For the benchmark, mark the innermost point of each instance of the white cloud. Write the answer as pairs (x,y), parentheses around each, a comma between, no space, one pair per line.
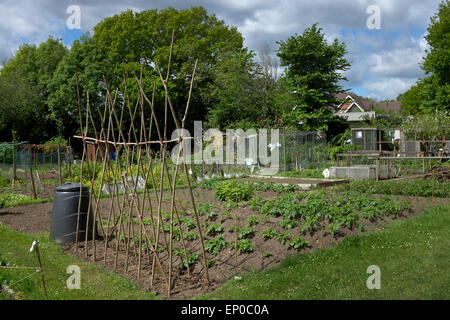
(388,88)
(389,55)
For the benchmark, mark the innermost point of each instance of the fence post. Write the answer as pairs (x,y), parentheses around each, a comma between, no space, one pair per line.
(14,163)
(69,162)
(33,187)
(59,167)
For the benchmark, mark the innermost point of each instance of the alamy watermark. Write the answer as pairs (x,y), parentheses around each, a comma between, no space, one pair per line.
(374,281)
(234,146)
(374,20)
(74,280)
(74,20)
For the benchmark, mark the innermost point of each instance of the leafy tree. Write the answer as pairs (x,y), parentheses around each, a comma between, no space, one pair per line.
(433,93)
(233,100)
(17,112)
(136,39)
(33,67)
(85,63)
(313,71)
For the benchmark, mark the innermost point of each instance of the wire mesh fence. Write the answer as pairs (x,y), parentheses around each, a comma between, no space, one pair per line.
(33,170)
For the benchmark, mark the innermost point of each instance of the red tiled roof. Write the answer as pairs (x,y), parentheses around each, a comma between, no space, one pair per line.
(369,105)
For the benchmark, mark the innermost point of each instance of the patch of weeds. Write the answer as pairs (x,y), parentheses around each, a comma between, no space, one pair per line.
(267,254)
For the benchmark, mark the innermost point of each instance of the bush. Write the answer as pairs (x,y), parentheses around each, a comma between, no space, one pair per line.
(234,191)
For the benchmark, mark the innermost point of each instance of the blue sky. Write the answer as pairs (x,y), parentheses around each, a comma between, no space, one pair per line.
(385,61)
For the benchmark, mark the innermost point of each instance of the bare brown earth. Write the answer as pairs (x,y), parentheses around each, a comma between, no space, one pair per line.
(36,218)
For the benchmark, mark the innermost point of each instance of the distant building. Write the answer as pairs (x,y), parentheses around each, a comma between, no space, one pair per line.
(357,109)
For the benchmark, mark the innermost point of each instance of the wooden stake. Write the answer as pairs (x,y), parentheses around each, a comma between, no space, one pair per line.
(41,269)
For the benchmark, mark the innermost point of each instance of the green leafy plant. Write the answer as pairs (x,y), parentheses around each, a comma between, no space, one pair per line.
(216,245)
(192,260)
(269,234)
(214,228)
(233,191)
(244,245)
(190,236)
(298,242)
(245,232)
(252,220)
(284,237)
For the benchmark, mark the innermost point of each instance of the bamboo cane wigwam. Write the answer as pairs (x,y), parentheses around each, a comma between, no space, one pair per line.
(138,225)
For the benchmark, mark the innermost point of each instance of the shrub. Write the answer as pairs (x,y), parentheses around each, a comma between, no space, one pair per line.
(234,191)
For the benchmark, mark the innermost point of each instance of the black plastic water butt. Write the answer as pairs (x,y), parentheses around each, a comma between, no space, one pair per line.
(65,214)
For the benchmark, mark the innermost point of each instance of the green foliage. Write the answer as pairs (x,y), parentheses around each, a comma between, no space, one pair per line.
(313,72)
(192,261)
(256,203)
(431,126)
(214,228)
(191,236)
(341,209)
(189,224)
(14,199)
(432,93)
(208,184)
(284,237)
(252,220)
(27,75)
(269,233)
(216,245)
(234,191)
(245,232)
(419,188)
(57,140)
(244,246)
(298,243)
(420,238)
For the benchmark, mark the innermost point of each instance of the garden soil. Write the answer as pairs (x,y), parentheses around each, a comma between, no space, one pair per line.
(36,218)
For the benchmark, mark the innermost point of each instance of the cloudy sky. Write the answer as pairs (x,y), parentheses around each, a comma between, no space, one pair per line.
(385,59)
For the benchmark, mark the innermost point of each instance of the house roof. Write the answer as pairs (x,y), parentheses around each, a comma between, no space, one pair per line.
(367,105)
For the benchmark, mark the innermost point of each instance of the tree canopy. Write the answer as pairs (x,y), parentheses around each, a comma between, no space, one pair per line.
(25,80)
(433,92)
(313,72)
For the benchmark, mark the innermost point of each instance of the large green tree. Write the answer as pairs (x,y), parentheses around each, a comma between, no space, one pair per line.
(130,42)
(433,92)
(313,72)
(86,64)
(31,68)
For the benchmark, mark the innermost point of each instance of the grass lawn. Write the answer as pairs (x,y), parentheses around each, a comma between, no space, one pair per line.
(413,256)
(96,283)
